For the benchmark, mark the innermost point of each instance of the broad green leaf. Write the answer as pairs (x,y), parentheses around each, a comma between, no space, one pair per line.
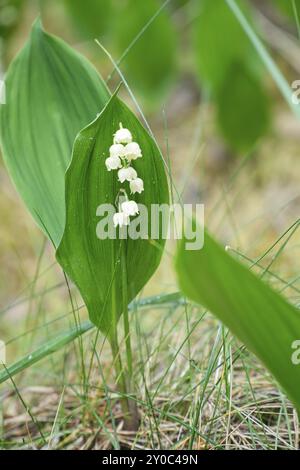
(94,264)
(52,92)
(261,318)
(219,41)
(150,62)
(90,17)
(242,108)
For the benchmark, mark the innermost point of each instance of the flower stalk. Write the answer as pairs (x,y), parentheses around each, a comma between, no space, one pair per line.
(122,153)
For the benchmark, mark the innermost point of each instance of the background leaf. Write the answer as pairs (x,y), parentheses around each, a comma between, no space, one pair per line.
(242,108)
(52,92)
(150,63)
(9,16)
(228,66)
(93,264)
(219,42)
(287,7)
(263,320)
(91,18)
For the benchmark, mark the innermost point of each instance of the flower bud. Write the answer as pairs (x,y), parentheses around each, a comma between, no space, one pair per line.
(120,219)
(122,136)
(113,163)
(127,174)
(137,186)
(117,150)
(133,151)
(130,208)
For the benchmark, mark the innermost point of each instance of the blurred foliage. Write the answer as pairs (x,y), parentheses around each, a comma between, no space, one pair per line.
(287,6)
(219,41)
(90,17)
(229,67)
(10,16)
(144,38)
(150,62)
(242,108)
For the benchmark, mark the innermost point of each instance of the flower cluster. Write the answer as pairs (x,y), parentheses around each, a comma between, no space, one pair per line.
(122,153)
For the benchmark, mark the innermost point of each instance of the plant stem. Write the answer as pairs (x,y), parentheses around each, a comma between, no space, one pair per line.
(132,404)
(120,379)
(114,343)
(131,419)
(125,310)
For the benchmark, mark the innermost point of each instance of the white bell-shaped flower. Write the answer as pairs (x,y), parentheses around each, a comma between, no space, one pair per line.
(127,174)
(113,163)
(117,150)
(122,136)
(120,219)
(133,151)
(136,186)
(130,208)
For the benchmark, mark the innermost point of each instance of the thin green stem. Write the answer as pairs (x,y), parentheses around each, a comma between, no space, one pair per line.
(125,310)
(120,379)
(114,342)
(133,422)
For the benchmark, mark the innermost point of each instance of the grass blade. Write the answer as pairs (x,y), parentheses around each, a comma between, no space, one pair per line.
(266,58)
(67,337)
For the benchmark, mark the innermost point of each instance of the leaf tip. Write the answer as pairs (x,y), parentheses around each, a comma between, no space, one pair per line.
(37,26)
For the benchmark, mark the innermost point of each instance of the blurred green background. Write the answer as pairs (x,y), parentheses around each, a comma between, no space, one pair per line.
(231,140)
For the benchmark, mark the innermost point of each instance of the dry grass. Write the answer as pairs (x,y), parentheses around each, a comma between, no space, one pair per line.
(213,400)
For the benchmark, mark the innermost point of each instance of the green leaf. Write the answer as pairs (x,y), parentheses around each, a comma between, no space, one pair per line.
(90,17)
(261,318)
(94,265)
(52,92)
(150,62)
(219,41)
(242,108)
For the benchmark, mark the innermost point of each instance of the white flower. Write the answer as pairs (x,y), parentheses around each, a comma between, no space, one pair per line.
(122,136)
(133,151)
(120,219)
(127,174)
(137,186)
(117,150)
(130,208)
(113,163)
